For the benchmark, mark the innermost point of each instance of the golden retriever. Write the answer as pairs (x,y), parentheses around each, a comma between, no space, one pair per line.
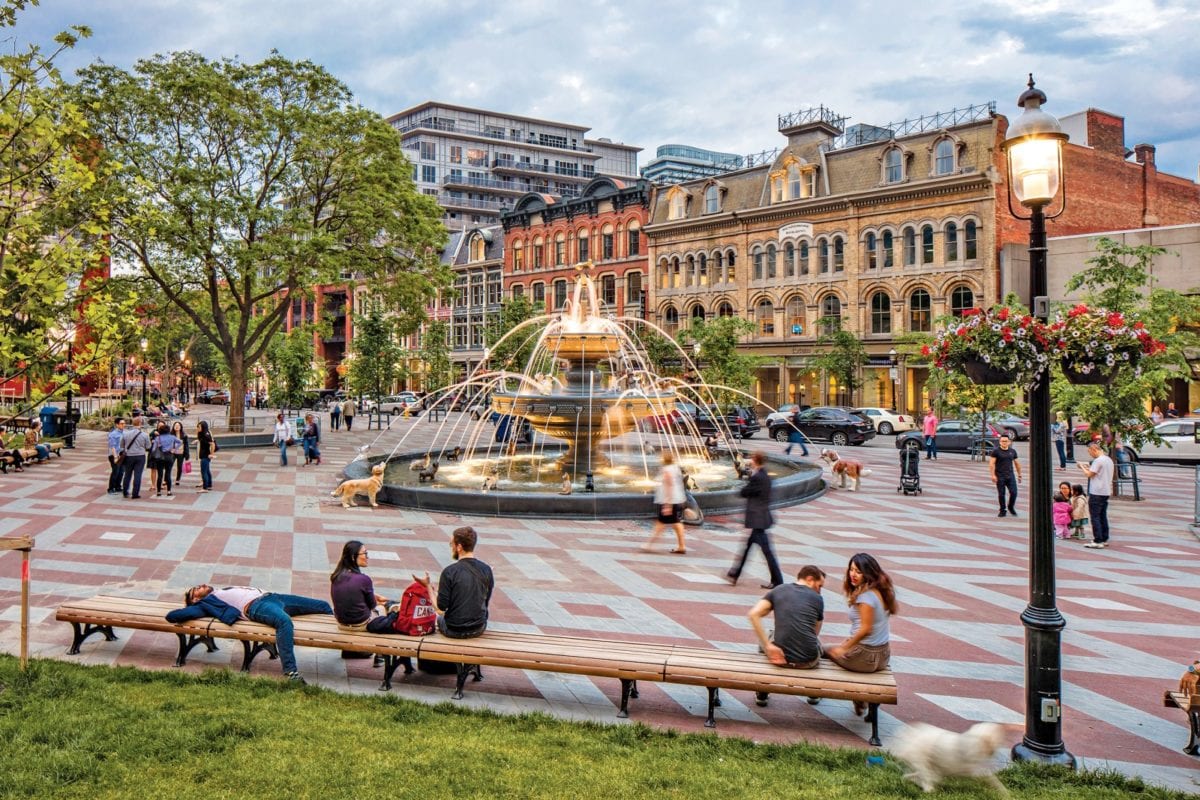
(368,486)
(936,754)
(1189,684)
(843,467)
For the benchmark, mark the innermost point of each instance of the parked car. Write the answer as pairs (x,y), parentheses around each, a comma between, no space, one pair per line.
(1179,443)
(839,426)
(674,420)
(741,421)
(207,395)
(887,421)
(399,403)
(954,436)
(784,413)
(1010,424)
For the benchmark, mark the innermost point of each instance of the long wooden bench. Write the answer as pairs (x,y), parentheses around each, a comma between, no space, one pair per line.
(1190,705)
(628,662)
(30,454)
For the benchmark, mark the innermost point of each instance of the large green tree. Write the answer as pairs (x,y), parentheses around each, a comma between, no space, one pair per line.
(290,367)
(728,372)
(843,355)
(245,185)
(435,356)
(514,352)
(376,364)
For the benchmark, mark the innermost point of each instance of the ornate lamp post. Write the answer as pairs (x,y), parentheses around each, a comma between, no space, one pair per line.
(1034,149)
(893,360)
(69,423)
(144,368)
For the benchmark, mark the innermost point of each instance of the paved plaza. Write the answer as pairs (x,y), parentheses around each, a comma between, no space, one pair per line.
(961,576)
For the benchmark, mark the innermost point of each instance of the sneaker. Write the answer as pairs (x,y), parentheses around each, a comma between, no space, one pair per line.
(1002,514)
(1096,545)
(1012,511)
(296,678)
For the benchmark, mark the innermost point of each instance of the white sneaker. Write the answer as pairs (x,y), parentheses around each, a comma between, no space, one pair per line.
(1096,545)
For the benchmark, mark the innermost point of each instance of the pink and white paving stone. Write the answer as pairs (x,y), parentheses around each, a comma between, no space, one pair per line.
(961,574)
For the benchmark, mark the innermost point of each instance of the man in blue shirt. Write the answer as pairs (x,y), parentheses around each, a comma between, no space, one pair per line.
(114,455)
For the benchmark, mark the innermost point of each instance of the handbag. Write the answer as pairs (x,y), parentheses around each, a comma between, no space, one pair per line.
(187,468)
(290,441)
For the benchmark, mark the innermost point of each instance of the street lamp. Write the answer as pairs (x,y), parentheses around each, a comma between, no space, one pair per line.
(145,367)
(68,424)
(1034,149)
(894,359)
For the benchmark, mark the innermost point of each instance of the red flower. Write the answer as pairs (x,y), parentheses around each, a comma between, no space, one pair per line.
(1077,311)
(1003,315)
(1115,320)
(970,312)
(924,349)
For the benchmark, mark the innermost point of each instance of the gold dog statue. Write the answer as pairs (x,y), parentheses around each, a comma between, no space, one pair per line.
(368,486)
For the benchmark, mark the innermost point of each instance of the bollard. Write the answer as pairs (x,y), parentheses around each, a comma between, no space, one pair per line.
(1196,506)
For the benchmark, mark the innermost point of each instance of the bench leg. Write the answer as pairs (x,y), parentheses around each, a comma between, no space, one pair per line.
(187,641)
(873,718)
(389,669)
(714,702)
(463,671)
(1193,745)
(251,649)
(628,689)
(83,633)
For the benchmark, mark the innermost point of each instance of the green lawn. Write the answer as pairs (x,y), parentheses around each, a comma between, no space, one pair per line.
(99,732)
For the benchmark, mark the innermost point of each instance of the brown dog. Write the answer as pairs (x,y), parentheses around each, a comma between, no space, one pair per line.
(368,486)
(1189,684)
(843,468)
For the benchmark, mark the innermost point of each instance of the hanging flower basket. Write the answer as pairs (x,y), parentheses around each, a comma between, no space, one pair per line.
(1094,344)
(1087,374)
(998,346)
(984,374)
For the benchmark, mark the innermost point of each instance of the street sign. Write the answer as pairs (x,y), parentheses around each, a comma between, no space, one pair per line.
(797,330)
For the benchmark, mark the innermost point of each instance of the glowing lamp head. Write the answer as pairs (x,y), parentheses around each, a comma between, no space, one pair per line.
(1034,149)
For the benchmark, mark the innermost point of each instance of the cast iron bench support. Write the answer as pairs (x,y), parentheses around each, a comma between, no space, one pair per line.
(189,640)
(85,630)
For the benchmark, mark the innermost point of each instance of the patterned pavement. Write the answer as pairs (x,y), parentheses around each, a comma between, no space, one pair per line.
(961,573)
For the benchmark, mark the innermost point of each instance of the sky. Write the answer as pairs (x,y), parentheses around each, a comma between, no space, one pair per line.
(698,72)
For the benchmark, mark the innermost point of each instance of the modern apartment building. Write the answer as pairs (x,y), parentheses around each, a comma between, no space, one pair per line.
(676,163)
(477,162)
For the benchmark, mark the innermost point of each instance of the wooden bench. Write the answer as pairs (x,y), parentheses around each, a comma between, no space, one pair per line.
(30,455)
(1190,705)
(628,662)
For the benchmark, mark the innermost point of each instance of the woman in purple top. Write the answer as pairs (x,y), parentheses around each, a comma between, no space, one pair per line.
(355,604)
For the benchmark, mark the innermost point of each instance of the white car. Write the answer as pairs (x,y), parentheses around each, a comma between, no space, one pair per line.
(781,415)
(397,403)
(888,422)
(1179,442)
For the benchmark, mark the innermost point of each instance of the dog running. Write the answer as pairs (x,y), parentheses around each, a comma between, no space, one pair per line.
(843,468)
(368,486)
(936,754)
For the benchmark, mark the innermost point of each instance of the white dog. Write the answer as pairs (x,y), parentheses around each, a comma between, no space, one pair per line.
(936,754)
(843,468)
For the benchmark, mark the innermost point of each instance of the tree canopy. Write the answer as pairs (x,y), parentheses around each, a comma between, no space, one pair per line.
(728,372)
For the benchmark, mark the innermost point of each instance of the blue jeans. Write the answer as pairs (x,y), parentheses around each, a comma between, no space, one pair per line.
(931,447)
(277,611)
(282,452)
(1007,483)
(206,473)
(133,475)
(310,448)
(793,440)
(1098,509)
(1061,446)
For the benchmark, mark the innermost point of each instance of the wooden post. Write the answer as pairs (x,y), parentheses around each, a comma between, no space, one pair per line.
(25,545)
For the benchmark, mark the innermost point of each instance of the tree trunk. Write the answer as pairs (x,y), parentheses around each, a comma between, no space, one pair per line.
(237,394)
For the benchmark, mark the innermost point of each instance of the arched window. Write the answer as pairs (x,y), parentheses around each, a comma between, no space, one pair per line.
(664,274)
(777,189)
(969,240)
(831,313)
(795,316)
(711,200)
(670,319)
(881,313)
(943,157)
(518,260)
(823,255)
(961,299)
(634,239)
(719,267)
(584,246)
(697,312)
(608,245)
(560,250)
(633,288)
(893,166)
(839,254)
(793,176)
(538,253)
(951,241)
(731,270)
(764,313)
(678,207)
(560,294)
(689,273)
(789,260)
(478,246)
(804,258)
(518,290)
(702,270)
(724,310)
(870,247)
(927,244)
(676,278)
(910,247)
(771,256)
(758,265)
(889,256)
(920,319)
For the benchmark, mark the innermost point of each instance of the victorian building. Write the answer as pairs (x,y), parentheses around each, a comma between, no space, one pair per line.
(545,237)
(881,229)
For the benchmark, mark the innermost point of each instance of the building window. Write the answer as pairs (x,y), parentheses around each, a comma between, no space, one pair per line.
(969,240)
(871,255)
(476,157)
(460,286)
(771,257)
(793,176)
(823,255)
(689,271)
(795,316)
(676,277)
(961,299)
(560,250)
(702,270)
(518,260)
(635,242)
(831,313)
(951,242)
(633,287)
(789,260)
(927,244)
(893,166)
(428,174)
(777,190)
(455,154)
(697,313)
(429,151)
(478,248)
(920,318)
(881,313)
(539,294)
(889,257)
(943,157)
(724,310)
(493,288)
(606,245)
(584,247)
(670,319)
(910,247)
(758,265)
(608,290)
(765,315)
(518,290)
(711,200)
(731,266)
(678,206)
(804,258)
(538,253)
(560,295)
(839,254)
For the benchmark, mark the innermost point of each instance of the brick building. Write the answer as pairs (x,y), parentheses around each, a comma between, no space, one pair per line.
(545,237)
(883,227)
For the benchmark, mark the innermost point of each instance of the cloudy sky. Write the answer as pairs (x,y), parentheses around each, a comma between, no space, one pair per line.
(708,73)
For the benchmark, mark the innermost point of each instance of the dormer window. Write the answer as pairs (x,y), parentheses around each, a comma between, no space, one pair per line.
(478,247)
(793,176)
(712,199)
(943,157)
(893,166)
(678,205)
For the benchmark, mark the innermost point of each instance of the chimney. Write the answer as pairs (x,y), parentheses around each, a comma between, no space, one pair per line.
(1144,153)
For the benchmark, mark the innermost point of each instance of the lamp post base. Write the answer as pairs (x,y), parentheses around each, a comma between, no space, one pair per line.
(1029,751)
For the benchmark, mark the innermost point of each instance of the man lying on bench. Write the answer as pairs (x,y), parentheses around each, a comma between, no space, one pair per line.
(233,603)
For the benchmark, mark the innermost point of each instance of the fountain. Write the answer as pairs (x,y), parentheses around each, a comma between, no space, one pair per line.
(586,390)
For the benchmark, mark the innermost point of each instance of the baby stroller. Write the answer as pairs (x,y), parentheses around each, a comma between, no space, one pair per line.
(910,472)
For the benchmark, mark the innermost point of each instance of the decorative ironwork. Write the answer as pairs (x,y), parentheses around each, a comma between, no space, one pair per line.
(864,134)
(762,157)
(807,116)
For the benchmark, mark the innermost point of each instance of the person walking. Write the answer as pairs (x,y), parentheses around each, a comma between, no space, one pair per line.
(115,466)
(757,492)
(929,428)
(670,498)
(1058,435)
(1099,488)
(795,436)
(349,409)
(284,437)
(1006,474)
(310,438)
(134,443)
(872,601)
(335,416)
(206,447)
(181,458)
(167,447)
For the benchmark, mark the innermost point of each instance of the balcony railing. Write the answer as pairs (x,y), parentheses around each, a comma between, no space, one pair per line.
(932,122)
(470,128)
(446,201)
(485,183)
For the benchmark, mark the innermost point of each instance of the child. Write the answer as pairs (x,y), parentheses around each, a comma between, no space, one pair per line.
(1079,511)
(1062,516)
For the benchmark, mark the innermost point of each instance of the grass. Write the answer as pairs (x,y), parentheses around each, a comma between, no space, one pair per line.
(101,732)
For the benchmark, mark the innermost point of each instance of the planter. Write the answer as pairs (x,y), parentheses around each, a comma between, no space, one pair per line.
(984,374)
(1097,377)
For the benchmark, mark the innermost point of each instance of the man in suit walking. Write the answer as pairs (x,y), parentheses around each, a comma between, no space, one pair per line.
(757,492)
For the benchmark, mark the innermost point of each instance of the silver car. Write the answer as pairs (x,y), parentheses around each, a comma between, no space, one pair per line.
(1179,443)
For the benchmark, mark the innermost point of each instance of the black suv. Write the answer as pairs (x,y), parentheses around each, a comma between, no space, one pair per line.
(827,424)
(740,421)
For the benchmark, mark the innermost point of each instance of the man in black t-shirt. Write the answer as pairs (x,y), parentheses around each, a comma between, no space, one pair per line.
(465,590)
(1006,474)
(799,613)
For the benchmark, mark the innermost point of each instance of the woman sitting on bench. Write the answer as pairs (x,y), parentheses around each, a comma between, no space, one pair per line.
(33,438)
(12,452)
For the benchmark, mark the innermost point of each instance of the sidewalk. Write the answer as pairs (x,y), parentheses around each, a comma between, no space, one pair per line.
(961,576)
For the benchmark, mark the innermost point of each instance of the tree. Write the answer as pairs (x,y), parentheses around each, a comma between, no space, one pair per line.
(729,373)
(514,352)
(376,363)
(435,355)
(238,187)
(290,367)
(1119,278)
(844,356)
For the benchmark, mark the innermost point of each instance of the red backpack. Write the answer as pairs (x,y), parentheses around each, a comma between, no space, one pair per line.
(416,616)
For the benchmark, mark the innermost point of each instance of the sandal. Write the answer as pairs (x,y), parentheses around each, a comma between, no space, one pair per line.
(677,551)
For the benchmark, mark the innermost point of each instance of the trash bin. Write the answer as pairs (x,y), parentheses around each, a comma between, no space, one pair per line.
(49,421)
(66,425)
